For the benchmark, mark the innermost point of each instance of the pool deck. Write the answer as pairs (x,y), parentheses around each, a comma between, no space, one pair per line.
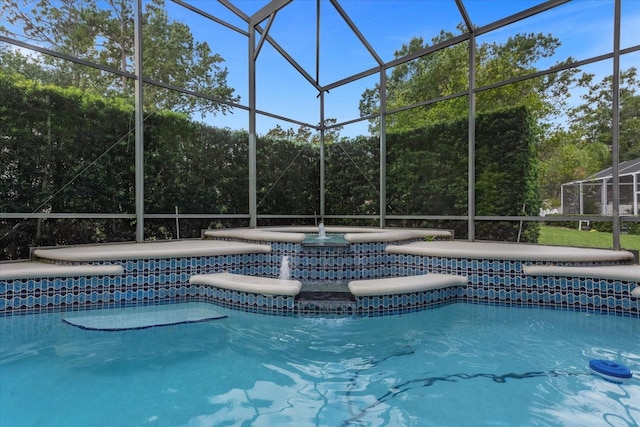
(148,250)
(40,270)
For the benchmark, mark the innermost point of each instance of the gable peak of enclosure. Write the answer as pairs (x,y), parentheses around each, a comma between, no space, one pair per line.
(355,26)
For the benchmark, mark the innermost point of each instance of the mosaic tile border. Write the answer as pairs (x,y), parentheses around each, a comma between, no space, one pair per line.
(384,305)
(162,280)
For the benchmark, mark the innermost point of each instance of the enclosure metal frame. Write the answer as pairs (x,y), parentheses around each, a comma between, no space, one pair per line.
(257,36)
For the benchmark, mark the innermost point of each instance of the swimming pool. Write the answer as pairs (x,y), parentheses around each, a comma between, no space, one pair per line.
(461,364)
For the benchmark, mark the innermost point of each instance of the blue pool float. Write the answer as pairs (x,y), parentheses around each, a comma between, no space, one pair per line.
(609,370)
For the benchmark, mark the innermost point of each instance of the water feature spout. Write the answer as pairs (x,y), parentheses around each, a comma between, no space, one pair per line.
(285,270)
(322,234)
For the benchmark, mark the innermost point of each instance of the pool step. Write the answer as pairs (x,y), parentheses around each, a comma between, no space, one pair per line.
(325,296)
(322,291)
(406,284)
(325,307)
(250,284)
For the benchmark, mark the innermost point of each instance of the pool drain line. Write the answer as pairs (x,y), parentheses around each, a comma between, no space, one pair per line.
(429,381)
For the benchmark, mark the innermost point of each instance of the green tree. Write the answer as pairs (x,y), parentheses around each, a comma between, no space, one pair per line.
(445,72)
(171,55)
(305,133)
(593,119)
(65,26)
(52,162)
(102,32)
(564,157)
(15,62)
(583,147)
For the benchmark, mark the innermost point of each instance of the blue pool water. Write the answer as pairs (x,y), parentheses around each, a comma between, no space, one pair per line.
(458,365)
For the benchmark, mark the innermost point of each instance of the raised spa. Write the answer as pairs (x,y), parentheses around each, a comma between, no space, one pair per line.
(352,271)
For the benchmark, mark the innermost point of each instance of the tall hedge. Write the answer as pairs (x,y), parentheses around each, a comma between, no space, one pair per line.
(427,173)
(64,150)
(507,174)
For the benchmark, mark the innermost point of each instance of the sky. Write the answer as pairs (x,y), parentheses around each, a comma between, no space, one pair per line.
(584,28)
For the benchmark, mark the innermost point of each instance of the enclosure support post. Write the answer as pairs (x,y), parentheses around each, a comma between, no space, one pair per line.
(383,148)
(635,193)
(603,197)
(615,128)
(322,124)
(253,205)
(471,189)
(139,124)
(322,158)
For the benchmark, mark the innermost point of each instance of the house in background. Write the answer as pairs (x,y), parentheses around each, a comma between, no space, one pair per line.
(594,195)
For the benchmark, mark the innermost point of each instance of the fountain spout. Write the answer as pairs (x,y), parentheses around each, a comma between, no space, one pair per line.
(322,234)
(285,270)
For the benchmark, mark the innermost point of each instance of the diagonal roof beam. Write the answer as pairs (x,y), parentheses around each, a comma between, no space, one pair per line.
(210,16)
(285,55)
(288,57)
(465,15)
(356,31)
(234,9)
(268,10)
(550,4)
(272,17)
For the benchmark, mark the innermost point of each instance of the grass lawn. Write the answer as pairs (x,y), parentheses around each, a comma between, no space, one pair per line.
(588,239)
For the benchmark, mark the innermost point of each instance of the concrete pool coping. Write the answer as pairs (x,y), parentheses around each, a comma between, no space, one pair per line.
(41,270)
(69,261)
(510,251)
(295,234)
(217,242)
(149,250)
(456,249)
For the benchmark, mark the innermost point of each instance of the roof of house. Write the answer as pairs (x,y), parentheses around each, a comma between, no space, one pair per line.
(626,168)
